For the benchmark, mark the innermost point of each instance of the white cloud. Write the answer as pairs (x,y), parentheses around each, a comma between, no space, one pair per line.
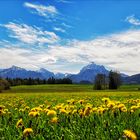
(50,14)
(66,25)
(59,29)
(65,1)
(118,51)
(133,20)
(30,35)
(42,10)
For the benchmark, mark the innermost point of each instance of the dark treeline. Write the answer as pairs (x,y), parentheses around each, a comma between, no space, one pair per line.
(30,81)
(4,84)
(112,81)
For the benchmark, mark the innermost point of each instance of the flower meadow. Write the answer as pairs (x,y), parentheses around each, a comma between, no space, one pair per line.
(70,117)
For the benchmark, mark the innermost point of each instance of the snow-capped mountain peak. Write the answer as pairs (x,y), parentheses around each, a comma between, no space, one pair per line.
(16,68)
(93,66)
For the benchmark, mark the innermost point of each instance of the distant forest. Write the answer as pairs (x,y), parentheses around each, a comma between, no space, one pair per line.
(6,83)
(31,81)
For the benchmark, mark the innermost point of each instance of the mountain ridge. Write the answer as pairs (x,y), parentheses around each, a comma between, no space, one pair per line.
(86,74)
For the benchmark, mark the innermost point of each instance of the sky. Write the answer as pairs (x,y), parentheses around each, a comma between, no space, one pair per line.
(65,35)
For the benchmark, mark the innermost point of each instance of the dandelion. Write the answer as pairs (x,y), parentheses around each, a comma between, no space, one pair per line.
(36,109)
(21,110)
(51,113)
(27,108)
(106,100)
(2,107)
(74,111)
(94,109)
(46,110)
(110,104)
(121,106)
(2,112)
(101,110)
(19,123)
(27,132)
(41,106)
(59,106)
(54,120)
(134,108)
(71,101)
(130,134)
(81,113)
(81,101)
(87,111)
(63,111)
(34,114)
(6,110)
(124,109)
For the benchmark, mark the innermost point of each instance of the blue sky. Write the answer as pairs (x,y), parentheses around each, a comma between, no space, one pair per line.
(65,35)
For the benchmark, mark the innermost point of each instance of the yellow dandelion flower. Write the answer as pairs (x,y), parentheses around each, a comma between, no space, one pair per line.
(41,106)
(81,113)
(110,104)
(21,110)
(19,123)
(106,100)
(130,134)
(51,113)
(121,106)
(34,114)
(54,120)
(59,106)
(88,105)
(27,132)
(2,112)
(74,111)
(101,110)
(36,109)
(27,108)
(81,101)
(2,107)
(71,101)
(123,109)
(6,110)
(94,109)
(134,107)
(63,111)
(86,111)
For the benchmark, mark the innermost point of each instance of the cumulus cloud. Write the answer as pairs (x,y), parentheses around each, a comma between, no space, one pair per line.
(133,20)
(42,10)
(119,51)
(29,34)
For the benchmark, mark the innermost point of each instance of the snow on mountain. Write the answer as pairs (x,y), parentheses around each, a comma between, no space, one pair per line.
(17,72)
(88,73)
(59,75)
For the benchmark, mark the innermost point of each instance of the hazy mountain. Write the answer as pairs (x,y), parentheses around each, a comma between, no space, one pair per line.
(60,75)
(88,73)
(46,74)
(17,72)
(134,79)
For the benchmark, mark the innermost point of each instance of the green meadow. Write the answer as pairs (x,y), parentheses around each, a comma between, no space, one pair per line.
(70,112)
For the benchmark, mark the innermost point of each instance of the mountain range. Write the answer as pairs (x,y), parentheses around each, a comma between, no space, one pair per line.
(86,75)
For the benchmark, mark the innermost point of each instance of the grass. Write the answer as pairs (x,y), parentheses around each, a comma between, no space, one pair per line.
(67,89)
(79,113)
